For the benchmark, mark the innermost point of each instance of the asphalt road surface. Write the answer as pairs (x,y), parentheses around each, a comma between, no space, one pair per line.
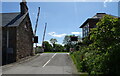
(46,63)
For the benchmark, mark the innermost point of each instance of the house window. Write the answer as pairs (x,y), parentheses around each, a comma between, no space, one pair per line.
(86,30)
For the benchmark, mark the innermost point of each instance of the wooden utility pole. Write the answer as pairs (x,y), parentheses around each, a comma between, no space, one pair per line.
(44,35)
(37,21)
(36,37)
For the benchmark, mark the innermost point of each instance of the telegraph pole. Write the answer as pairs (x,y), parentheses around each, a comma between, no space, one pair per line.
(44,35)
(36,37)
(37,23)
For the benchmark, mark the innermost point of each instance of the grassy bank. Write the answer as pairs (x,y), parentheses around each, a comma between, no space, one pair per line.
(76,57)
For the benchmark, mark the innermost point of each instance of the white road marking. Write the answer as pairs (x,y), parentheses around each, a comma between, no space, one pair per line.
(68,53)
(46,63)
(54,55)
(49,60)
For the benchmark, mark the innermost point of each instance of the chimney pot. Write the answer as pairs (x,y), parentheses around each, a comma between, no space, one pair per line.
(23,7)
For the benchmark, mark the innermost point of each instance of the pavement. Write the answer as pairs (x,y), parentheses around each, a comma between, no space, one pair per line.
(45,63)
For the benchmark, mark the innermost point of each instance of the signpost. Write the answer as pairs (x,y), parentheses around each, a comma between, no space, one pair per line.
(73,39)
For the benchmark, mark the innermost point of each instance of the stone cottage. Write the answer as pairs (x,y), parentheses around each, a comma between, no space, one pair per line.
(17,35)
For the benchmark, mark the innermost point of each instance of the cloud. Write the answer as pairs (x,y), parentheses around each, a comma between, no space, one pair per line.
(56,35)
(105,5)
(76,33)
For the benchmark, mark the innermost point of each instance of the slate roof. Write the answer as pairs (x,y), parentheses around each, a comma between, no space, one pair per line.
(12,19)
(96,18)
(100,15)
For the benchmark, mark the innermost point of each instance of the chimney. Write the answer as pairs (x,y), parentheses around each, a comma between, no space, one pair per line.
(23,7)
(101,13)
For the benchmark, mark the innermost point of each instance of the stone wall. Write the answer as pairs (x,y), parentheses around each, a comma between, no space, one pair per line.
(24,39)
(12,45)
(4,45)
(20,42)
(8,56)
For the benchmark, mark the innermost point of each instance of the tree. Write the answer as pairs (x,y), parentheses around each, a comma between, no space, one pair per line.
(47,46)
(59,48)
(106,43)
(66,40)
(103,54)
(68,43)
(53,41)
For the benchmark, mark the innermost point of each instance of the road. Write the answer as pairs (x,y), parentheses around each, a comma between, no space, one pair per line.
(46,63)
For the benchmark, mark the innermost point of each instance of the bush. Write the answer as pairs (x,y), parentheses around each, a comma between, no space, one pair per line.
(101,55)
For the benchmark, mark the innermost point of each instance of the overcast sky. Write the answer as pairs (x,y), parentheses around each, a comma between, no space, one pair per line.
(63,18)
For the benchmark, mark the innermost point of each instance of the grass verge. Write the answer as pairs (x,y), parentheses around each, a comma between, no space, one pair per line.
(75,62)
(76,59)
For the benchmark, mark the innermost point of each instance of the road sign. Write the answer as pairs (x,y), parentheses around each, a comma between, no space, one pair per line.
(74,38)
(35,39)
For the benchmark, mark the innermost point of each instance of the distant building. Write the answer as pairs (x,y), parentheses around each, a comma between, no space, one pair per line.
(17,35)
(91,23)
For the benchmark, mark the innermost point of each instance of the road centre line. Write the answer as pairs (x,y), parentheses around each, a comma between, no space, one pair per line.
(54,55)
(49,60)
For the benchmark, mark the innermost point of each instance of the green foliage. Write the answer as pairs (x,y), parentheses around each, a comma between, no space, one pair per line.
(102,55)
(67,47)
(47,46)
(53,41)
(106,38)
(70,44)
(59,48)
(67,40)
(87,41)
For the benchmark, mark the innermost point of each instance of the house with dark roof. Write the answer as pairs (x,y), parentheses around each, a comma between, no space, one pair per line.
(91,23)
(17,35)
